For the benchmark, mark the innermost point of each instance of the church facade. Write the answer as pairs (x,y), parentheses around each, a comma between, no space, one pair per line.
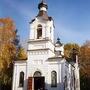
(46,67)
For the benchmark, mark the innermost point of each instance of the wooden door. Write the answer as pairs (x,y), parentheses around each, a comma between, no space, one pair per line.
(30,83)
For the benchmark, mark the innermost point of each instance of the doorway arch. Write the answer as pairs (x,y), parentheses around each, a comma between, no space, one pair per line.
(37,74)
(39,81)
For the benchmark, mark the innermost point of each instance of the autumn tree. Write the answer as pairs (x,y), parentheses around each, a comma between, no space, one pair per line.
(84,61)
(85,65)
(85,58)
(68,49)
(22,55)
(9,49)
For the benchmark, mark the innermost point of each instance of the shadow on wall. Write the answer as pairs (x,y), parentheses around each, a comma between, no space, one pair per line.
(59,86)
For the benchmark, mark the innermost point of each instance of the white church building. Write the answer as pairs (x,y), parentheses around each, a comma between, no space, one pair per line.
(46,67)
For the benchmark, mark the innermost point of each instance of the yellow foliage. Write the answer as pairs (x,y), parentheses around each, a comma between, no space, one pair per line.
(68,48)
(22,54)
(7,48)
(85,58)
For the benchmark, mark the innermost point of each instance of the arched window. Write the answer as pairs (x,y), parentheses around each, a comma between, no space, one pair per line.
(53,79)
(39,31)
(21,79)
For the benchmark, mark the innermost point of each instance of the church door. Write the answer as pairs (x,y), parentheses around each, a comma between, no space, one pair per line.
(39,83)
(30,83)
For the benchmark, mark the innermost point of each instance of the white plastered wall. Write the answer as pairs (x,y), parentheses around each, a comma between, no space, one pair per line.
(57,66)
(19,67)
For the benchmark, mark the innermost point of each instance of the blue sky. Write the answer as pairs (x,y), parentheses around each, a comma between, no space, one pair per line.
(71,17)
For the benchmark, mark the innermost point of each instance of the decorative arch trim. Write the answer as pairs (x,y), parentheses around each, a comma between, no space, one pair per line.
(37,74)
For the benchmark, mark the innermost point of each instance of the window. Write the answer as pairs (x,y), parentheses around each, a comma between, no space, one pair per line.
(39,31)
(65,83)
(53,79)
(21,79)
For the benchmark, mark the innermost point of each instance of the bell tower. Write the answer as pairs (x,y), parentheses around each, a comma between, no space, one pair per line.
(41,30)
(42,27)
(41,41)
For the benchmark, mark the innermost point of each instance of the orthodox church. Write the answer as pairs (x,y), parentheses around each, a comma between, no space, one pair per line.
(46,67)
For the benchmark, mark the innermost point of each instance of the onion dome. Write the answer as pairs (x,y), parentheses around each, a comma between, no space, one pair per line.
(42,4)
(58,43)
